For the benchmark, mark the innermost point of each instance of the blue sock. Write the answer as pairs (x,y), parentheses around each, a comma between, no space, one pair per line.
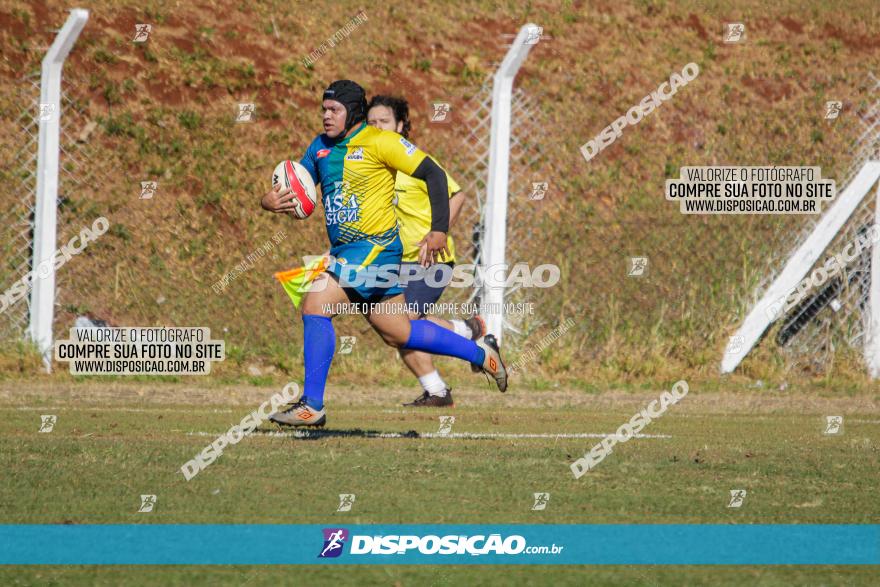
(430,338)
(319,344)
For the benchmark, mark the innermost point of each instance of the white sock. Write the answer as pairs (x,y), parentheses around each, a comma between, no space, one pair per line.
(461,328)
(433,384)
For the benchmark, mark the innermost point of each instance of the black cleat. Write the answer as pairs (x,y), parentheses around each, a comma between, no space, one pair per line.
(426,400)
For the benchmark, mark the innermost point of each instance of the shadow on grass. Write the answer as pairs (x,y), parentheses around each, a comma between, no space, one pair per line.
(318,433)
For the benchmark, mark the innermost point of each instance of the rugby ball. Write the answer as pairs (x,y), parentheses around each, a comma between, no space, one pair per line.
(291,174)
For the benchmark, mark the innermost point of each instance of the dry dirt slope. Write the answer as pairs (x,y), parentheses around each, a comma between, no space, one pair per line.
(165,111)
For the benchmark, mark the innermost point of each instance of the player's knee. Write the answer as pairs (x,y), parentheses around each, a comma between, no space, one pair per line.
(313,305)
(392,339)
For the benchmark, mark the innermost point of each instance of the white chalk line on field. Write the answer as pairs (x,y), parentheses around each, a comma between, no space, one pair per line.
(312,433)
(84,409)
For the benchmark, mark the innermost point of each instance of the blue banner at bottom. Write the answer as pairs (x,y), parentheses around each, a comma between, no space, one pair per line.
(604,544)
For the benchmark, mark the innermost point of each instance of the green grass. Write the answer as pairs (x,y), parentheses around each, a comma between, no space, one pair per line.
(114,441)
(451,576)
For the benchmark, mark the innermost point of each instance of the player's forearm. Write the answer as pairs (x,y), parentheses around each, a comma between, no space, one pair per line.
(455,204)
(438,193)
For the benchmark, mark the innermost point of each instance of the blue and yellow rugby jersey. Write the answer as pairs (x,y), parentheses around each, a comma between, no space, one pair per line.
(414,214)
(357,182)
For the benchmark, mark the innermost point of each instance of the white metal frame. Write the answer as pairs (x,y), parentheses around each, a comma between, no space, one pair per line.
(495,215)
(42,309)
(757,321)
(872,340)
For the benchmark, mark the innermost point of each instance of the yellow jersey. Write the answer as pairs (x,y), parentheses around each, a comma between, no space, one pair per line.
(357,178)
(414,214)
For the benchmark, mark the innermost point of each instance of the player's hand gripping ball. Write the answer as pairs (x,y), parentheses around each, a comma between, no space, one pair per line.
(292,175)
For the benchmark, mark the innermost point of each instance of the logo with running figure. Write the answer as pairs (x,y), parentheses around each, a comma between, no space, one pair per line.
(737,498)
(46,111)
(148,189)
(833,425)
(539,189)
(734,32)
(832,109)
(637,266)
(441,113)
(142,33)
(245,112)
(47,422)
(148,502)
(735,344)
(346,344)
(346,500)
(534,35)
(446,423)
(334,540)
(541,501)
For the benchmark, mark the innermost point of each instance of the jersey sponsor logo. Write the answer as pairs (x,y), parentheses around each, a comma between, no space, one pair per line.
(323,153)
(342,207)
(355,155)
(410,148)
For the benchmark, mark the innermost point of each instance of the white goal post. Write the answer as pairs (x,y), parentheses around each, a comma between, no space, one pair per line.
(872,341)
(42,307)
(495,212)
(803,259)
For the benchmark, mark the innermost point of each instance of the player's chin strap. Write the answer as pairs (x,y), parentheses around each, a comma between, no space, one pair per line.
(356,112)
(351,125)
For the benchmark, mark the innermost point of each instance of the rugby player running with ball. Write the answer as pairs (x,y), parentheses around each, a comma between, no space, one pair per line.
(356,165)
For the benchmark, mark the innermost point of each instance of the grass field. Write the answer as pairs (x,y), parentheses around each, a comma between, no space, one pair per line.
(115,441)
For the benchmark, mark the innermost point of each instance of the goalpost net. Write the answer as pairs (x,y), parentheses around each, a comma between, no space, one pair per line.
(48,192)
(503,161)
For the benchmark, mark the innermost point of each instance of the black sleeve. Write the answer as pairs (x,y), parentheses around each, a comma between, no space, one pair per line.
(438,193)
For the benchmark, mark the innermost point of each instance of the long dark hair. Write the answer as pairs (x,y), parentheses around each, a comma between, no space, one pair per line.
(398,106)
